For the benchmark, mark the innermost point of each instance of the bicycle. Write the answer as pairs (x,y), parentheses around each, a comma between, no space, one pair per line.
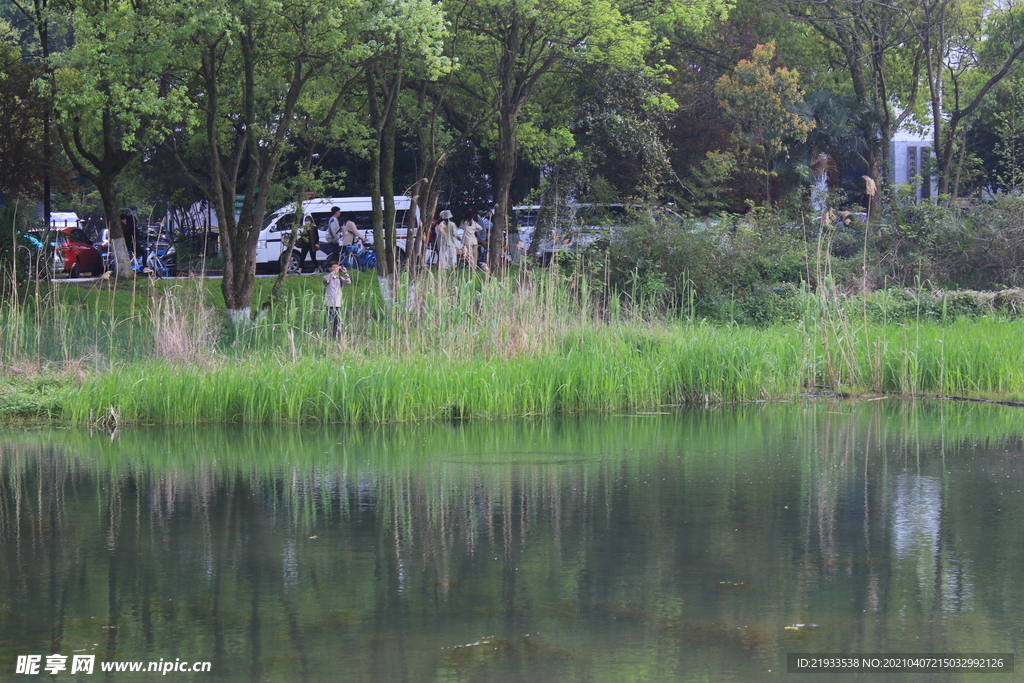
(361,257)
(348,257)
(151,264)
(367,257)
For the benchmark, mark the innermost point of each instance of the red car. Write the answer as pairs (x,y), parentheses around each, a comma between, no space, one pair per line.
(75,249)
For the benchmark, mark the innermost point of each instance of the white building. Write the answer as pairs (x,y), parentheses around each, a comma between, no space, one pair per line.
(908,154)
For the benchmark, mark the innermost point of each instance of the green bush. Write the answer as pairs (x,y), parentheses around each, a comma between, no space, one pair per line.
(703,266)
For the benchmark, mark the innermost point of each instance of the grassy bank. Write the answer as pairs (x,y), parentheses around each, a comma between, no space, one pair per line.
(459,347)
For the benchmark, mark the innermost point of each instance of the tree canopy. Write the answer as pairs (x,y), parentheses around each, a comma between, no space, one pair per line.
(477,104)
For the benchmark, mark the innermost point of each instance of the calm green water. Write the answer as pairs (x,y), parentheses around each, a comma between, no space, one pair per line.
(673,547)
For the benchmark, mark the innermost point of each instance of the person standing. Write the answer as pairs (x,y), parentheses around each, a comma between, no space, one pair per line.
(514,245)
(129,228)
(349,233)
(485,222)
(470,228)
(332,241)
(447,256)
(485,234)
(308,242)
(336,278)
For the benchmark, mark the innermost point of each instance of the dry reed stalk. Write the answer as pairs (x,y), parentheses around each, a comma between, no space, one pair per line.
(25,368)
(76,370)
(185,329)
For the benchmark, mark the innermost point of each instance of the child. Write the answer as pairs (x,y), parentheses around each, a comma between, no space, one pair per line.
(336,278)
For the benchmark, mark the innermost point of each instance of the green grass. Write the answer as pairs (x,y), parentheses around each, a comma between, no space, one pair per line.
(606,370)
(35,395)
(460,346)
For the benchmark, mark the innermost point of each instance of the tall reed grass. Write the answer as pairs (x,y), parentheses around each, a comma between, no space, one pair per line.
(591,370)
(457,345)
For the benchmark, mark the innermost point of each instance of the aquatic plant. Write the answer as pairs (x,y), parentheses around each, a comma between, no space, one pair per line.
(460,345)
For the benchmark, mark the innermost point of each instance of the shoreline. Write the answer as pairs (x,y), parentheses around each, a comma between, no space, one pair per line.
(470,348)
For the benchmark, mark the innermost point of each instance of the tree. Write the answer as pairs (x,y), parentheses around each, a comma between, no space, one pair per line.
(1009,126)
(882,58)
(112,94)
(507,48)
(424,119)
(22,111)
(952,33)
(837,142)
(763,103)
(246,69)
(412,42)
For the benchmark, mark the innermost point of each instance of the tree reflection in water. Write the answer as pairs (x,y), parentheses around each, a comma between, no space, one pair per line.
(698,545)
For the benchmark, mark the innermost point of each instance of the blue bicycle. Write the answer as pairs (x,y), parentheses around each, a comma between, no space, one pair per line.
(361,257)
(159,257)
(151,264)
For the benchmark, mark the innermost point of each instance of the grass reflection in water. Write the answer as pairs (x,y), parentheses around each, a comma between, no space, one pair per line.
(692,546)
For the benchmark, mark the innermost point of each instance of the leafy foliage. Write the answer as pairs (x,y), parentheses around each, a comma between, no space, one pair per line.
(21,130)
(763,102)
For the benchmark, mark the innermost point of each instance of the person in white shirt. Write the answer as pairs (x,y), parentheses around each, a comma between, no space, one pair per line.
(350,234)
(332,243)
(447,256)
(470,244)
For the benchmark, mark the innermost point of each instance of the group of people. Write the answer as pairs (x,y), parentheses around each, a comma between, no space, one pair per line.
(444,234)
(340,233)
(476,230)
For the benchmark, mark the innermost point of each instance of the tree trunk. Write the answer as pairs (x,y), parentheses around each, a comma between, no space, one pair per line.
(102,172)
(383,120)
(425,189)
(238,247)
(118,247)
(504,169)
(379,237)
(415,229)
(877,161)
(259,158)
(286,258)
(388,185)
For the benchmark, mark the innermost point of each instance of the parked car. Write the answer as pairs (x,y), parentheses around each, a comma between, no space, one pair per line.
(575,228)
(75,254)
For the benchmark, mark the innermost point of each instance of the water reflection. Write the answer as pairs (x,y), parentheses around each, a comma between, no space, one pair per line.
(696,546)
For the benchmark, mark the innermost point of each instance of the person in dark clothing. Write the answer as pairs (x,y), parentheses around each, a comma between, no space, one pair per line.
(131,234)
(308,242)
(332,243)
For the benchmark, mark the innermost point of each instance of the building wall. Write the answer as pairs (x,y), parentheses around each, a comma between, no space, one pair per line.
(907,155)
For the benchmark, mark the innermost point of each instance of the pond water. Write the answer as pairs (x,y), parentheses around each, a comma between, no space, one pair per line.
(691,546)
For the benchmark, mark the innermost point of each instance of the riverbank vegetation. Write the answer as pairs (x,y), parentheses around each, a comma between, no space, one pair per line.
(779,220)
(463,345)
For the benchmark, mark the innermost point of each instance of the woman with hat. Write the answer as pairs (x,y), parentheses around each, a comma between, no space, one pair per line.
(447,254)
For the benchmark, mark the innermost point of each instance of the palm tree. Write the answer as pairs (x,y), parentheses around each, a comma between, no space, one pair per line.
(842,121)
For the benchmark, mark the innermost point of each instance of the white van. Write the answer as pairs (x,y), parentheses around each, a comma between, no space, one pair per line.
(575,228)
(359,210)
